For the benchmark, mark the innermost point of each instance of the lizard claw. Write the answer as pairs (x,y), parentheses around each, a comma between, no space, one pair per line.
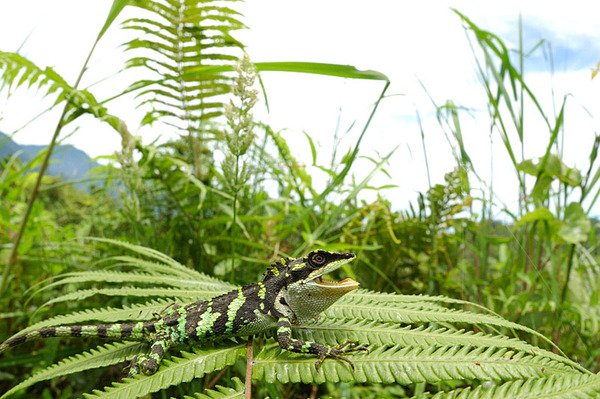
(132,368)
(351,346)
(336,353)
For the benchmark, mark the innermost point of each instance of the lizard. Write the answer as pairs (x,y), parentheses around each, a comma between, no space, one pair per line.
(292,291)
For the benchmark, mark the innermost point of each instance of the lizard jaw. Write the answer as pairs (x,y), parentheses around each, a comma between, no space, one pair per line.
(346,283)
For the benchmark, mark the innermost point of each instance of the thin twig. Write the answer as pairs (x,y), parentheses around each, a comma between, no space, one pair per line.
(216,379)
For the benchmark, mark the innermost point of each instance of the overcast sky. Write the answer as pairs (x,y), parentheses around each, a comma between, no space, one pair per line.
(412,43)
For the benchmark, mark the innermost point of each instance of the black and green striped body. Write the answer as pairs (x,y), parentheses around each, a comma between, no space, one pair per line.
(124,331)
(291,291)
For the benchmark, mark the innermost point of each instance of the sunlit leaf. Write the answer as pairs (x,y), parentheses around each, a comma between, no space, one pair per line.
(576,225)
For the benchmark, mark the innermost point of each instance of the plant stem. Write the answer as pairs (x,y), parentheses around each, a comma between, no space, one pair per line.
(234,216)
(217,378)
(249,361)
(38,181)
(563,294)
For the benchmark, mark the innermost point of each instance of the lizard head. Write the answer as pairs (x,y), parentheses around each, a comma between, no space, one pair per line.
(306,293)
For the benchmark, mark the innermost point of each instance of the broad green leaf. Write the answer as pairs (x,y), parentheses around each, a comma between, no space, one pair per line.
(538,214)
(529,167)
(576,226)
(555,167)
(541,189)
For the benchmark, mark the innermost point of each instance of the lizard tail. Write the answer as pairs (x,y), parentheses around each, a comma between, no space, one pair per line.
(125,331)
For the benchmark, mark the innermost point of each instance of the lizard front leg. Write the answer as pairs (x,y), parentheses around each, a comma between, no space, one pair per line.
(285,340)
(148,363)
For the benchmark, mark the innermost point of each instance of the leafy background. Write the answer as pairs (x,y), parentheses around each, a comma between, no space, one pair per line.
(228,194)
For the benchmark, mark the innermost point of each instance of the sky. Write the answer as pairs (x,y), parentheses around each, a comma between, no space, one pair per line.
(421,46)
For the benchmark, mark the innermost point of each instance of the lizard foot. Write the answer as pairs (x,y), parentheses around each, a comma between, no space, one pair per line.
(142,364)
(336,352)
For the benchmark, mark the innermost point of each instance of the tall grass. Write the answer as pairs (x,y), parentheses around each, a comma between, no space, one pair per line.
(533,268)
(535,262)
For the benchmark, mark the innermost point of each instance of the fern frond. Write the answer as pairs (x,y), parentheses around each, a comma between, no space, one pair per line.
(206,292)
(393,301)
(368,309)
(101,356)
(152,254)
(128,277)
(18,71)
(172,372)
(176,37)
(385,334)
(407,365)
(222,392)
(556,386)
(385,297)
(150,267)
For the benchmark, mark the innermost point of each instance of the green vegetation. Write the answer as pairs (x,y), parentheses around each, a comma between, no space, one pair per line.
(455,304)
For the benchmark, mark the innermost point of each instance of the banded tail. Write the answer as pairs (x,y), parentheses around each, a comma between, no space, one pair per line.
(128,331)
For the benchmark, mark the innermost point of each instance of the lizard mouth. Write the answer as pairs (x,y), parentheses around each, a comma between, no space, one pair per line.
(346,283)
(339,259)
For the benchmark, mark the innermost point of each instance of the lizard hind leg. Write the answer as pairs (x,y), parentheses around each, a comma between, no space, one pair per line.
(148,363)
(285,340)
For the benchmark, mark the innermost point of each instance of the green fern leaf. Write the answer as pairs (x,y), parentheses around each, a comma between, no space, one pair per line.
(175,37)
(18,71)
(102,356)
(384,297)
(173,372)
(186,295)
(407,365)
(408,312)
(128,277)
(331,331)
(222,392)
(153,254)
(556,386)
(155,268)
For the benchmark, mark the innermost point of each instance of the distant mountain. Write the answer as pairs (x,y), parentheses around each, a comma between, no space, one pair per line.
(66,162)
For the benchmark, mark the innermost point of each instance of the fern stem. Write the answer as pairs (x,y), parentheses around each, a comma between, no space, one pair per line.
(249,363)
(38,181)
(234,216)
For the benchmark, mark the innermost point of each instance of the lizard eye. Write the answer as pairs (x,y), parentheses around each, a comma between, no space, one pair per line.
(317,260)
